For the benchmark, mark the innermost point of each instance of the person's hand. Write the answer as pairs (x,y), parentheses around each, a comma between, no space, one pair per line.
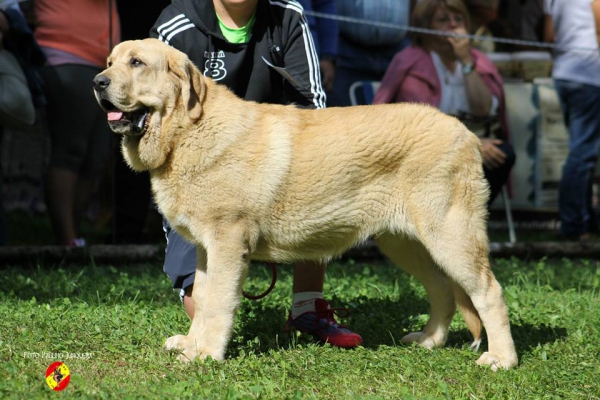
(4,27)
(493,157)
(327,74)
(461,46)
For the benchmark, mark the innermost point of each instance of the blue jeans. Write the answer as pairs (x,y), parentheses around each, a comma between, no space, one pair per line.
(581,110)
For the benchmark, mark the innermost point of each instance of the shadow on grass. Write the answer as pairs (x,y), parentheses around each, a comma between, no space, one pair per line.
(527,336)
(380,323)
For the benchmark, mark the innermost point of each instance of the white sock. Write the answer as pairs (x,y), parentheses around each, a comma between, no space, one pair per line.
(304,302)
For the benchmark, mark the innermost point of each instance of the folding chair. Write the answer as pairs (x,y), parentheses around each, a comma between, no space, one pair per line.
(363,92)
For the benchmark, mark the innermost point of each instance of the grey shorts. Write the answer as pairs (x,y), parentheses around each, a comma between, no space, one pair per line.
(180,260)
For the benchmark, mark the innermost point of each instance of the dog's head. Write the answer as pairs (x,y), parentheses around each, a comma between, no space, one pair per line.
(146,85)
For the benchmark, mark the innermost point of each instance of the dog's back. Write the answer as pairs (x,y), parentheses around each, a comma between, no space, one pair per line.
(362,171)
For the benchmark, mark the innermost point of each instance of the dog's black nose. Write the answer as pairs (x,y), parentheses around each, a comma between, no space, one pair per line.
(101,82)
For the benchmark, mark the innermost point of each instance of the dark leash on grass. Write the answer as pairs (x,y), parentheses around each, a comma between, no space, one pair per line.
(271,286)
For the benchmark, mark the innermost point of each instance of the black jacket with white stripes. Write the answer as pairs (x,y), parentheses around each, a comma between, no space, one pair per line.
(278,64)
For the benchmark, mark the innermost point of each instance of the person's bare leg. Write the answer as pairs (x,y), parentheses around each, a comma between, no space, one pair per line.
(308,276)
(307,287)
(83,194)
(188,302)
(60,186)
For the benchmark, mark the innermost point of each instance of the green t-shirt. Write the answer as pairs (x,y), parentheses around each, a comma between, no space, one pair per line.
(237,35)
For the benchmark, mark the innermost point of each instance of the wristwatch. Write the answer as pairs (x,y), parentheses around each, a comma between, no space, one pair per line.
(467,68)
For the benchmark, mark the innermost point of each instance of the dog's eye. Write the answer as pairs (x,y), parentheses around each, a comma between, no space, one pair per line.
(136,62)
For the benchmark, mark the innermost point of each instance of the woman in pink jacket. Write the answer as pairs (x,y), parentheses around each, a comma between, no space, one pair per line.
(445,72)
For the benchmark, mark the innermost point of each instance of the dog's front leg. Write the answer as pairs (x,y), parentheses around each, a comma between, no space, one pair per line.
(216,298)
(183,343)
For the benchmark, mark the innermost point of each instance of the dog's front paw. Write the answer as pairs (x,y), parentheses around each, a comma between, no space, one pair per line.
(188,349)
(184,345)
(422,339)
(177,342)
(495,361)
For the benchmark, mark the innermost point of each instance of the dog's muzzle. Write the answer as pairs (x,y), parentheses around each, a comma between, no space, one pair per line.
(133,123)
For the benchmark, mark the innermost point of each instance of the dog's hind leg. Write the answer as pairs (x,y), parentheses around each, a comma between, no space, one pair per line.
(460,248)
(412,257)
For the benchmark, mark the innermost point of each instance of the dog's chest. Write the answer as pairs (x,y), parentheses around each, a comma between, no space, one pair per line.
(174,199)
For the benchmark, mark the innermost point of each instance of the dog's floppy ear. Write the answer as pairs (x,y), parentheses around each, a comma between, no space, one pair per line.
(192,87)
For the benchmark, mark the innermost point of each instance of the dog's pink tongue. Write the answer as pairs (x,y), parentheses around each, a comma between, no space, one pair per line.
(114,115)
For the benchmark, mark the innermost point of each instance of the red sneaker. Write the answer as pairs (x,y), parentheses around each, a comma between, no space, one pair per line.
(321,323)
(78,242)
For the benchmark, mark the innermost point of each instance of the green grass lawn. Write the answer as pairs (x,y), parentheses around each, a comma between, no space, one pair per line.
(118,316)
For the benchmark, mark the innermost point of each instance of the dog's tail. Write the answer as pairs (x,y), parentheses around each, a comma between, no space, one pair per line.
(469,313)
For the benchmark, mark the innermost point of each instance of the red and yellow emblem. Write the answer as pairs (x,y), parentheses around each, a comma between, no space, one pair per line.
(58,376)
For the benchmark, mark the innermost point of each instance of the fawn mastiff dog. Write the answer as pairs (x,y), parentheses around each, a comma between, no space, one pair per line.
(246,181)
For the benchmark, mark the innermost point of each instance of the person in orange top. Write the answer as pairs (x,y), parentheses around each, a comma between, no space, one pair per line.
(76,37)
